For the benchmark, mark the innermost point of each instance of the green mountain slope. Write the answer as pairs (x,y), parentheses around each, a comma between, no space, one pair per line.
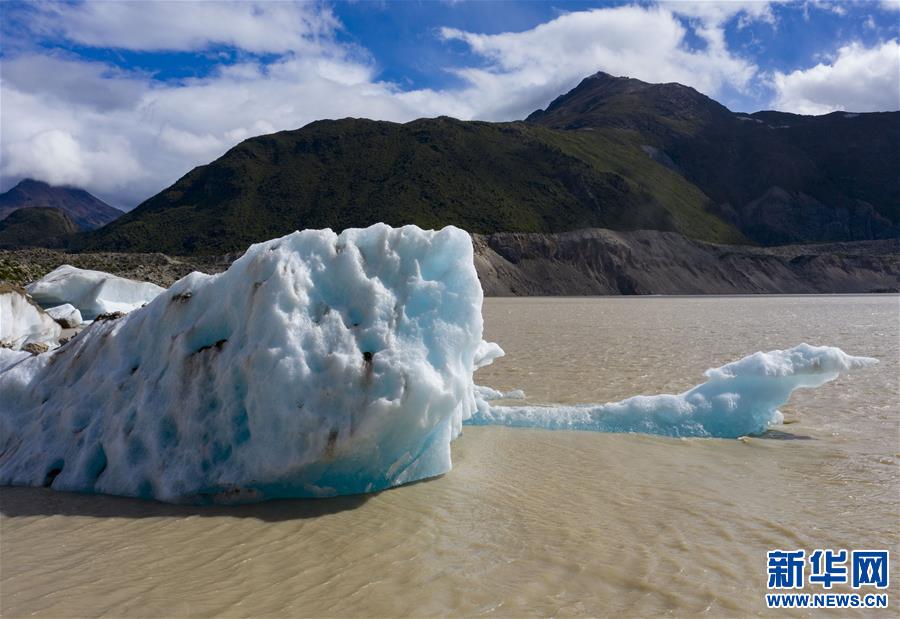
(778,177)
(36,227)
(434,172)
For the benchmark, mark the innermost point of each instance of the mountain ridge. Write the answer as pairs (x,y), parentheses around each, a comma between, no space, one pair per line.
(430,172)
(833,177)
(612,152)
(86,210)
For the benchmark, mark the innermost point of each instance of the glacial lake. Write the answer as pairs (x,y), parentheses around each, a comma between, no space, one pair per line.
(529,522)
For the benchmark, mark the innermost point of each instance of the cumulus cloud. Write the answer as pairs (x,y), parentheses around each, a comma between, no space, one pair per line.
(859,79)
(526,69)
(275,27)
(715,12)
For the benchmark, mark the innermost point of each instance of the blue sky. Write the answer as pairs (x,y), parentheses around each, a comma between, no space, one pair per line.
(124,98)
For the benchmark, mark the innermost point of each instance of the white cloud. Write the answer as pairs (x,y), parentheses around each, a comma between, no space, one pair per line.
(58,158)
(275,27)
(890,5)
(527,69)
(718,13)
(833,6)
(859,79)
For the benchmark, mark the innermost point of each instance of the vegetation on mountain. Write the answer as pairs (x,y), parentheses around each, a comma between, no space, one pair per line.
(432,172)
(778,177)
(36,227)
(614,153)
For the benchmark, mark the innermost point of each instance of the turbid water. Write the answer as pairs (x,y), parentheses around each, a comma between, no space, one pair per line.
(529,522)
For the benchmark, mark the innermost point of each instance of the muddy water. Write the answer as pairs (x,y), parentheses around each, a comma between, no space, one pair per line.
(529,522)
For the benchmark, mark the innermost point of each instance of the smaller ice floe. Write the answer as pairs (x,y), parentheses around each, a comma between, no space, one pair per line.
(92,292)
(23,323)
(487,394)
(67,315)
(738,399)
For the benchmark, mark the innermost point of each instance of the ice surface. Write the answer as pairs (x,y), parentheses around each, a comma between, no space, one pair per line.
(67,315)
(92,292)
(738,399)
(318,364)
(9,358)
(22,322)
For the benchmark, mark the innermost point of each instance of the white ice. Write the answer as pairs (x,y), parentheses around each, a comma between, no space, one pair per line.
(66,314)
(738,399)
(92,292)
(22,322)
(488,393)
(318,364)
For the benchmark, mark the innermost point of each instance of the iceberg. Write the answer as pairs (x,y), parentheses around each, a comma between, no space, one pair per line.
(22,322)
(487,394)
(67,315)
(318,364)
(93,293)
(738,399)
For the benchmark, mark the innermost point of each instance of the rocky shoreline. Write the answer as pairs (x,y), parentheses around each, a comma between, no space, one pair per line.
(22,266)
(643,262)
(584,262)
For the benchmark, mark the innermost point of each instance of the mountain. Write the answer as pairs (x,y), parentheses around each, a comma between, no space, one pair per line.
(778,177)
(432,172)
(36,227)
(614,152)
(84,209)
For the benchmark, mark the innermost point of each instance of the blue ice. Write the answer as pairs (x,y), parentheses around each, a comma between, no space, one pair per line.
(738,399)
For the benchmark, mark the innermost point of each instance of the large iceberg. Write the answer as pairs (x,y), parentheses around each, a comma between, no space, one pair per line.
(92,292)
(738,399)
(317,364)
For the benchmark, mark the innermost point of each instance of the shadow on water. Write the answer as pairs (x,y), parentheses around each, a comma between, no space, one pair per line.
(17,502)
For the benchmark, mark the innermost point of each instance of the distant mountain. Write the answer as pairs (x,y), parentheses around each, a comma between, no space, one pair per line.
(36,227)
(84,209)
(613,152)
